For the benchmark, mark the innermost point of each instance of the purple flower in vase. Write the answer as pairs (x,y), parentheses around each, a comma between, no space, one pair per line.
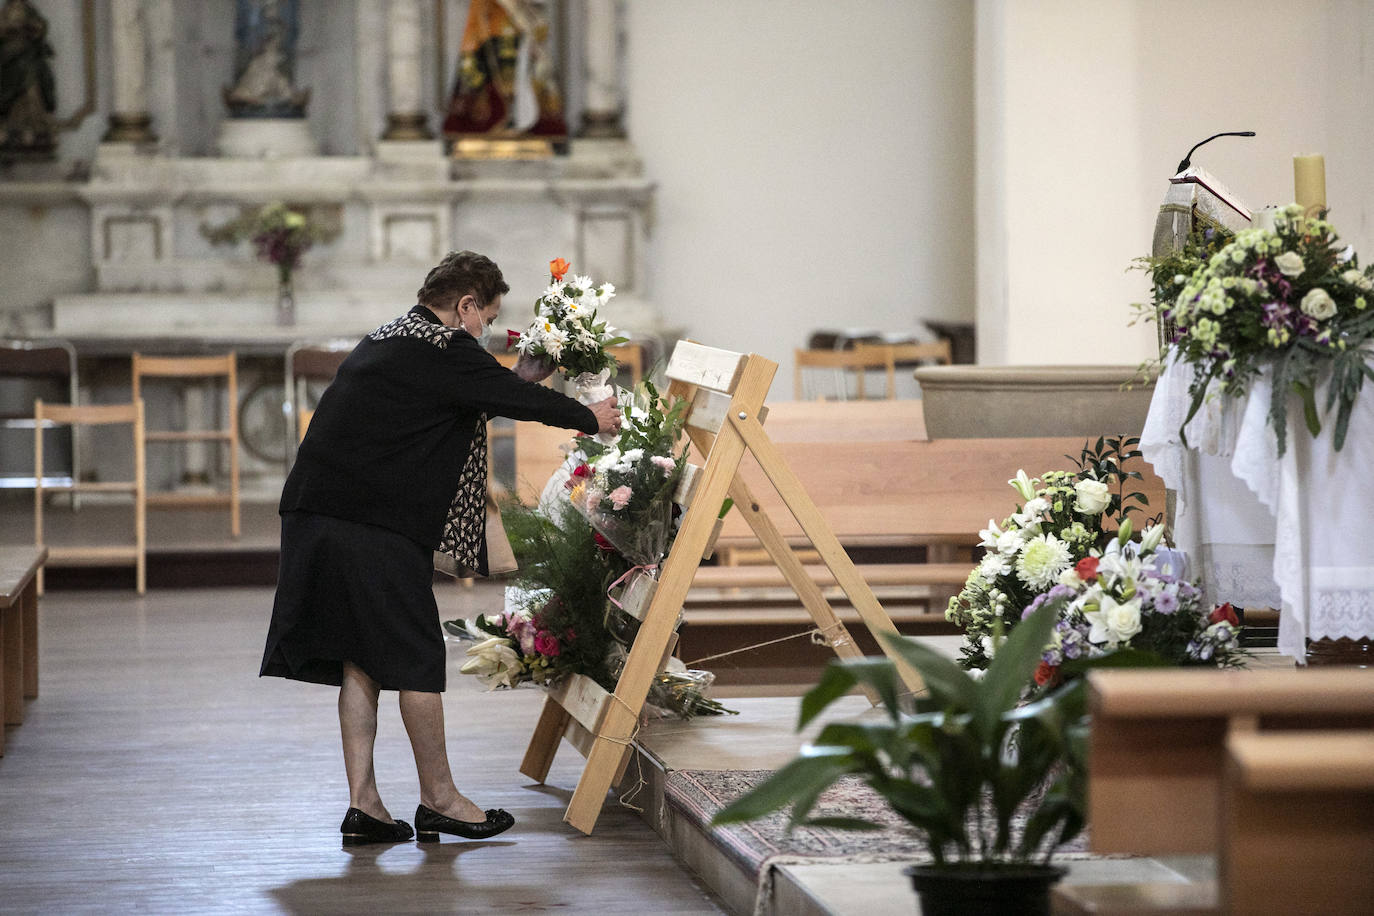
(1276,314)
(1166,603)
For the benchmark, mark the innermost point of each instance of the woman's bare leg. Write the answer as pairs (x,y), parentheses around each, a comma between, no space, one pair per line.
(423,714)
(358,726)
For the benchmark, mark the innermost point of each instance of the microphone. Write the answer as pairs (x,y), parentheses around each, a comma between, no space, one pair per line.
(1228,133)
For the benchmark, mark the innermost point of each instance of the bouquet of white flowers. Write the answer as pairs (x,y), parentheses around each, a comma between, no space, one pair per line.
(1061,521)
(566,331)
(626,490)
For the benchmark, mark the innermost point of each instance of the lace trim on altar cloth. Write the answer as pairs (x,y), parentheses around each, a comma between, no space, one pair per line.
(1242,574)
(1342,603)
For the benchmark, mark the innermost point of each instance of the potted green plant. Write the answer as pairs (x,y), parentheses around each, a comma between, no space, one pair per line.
(993,785)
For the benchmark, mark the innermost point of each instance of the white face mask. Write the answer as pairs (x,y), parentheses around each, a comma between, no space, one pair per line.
(484,335)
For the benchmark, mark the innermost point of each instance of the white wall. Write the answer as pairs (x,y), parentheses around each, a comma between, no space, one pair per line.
(814,162)
(1085,109)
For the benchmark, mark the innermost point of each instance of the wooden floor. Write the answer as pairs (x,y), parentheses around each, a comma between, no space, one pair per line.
(156,773)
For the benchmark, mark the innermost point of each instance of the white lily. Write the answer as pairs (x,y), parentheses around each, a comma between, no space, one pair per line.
(1151,537)
(1024,485)
(495,661)
(1113,623)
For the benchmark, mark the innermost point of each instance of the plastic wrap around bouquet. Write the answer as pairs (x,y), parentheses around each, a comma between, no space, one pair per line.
(626,504)
(568,334)
(626,490)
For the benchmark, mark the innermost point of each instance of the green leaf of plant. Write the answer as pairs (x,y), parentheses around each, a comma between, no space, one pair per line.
(1120,658)
(864,738)
(949,685)
(835,682)
(798,778)
(1013,668)
(1309,407)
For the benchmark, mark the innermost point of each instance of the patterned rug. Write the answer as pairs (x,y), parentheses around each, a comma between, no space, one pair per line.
(698,794)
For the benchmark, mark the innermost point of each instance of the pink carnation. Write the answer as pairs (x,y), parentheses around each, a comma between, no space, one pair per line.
(620,497)
(546,644)
(664,462)
(522,631)
(593,499)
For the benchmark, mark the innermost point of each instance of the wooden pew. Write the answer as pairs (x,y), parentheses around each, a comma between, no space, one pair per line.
(1237,764)
(1298,822)
(18,631)
(1158,744)
(896,494)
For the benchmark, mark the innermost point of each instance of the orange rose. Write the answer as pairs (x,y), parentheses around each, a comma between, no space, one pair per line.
(558,267)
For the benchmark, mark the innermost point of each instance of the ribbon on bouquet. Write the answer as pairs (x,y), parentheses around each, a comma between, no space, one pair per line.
(649,568)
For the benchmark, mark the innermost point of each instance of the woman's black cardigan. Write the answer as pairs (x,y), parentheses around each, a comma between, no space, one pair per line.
(388,441)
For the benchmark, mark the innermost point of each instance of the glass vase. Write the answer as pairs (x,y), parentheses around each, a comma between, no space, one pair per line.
(286,303)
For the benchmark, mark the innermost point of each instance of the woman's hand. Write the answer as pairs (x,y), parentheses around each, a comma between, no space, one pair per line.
(533,368)
(607,416)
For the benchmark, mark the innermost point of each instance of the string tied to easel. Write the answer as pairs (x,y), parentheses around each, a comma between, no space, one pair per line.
(647,568)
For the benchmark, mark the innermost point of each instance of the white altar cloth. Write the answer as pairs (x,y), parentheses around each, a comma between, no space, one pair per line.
(1293,532)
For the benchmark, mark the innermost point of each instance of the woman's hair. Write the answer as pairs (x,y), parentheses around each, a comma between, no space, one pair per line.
(460,273)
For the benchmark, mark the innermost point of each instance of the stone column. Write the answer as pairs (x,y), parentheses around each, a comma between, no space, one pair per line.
(601,115)
(130,121)
(405,118)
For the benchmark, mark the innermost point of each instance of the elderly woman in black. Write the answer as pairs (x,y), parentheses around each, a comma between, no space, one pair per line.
(392,470)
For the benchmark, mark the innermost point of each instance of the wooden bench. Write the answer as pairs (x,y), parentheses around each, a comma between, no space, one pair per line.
(1158,744)
(881,487)
(1233,764)
(1298,822)
(18,630)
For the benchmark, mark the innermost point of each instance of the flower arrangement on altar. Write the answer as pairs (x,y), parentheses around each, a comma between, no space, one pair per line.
(566,330)
(279,233)
(1112,592)
(1290,299)
(1057,524)
(1133,596)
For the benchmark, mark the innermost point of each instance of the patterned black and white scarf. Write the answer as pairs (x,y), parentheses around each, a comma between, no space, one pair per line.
(460,547)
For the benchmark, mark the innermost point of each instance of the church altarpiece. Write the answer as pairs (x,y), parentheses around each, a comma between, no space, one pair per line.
(340,108)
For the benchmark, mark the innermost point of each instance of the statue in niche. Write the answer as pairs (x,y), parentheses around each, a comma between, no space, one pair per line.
(28,92)
(506,85)
(265,32)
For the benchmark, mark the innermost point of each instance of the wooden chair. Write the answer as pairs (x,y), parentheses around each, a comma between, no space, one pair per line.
(48,366)
(104,554)
(631,359)
(841,362)
(908,354)
(202,368)
(306,362)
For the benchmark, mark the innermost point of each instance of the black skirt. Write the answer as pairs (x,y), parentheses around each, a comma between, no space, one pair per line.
(349,591)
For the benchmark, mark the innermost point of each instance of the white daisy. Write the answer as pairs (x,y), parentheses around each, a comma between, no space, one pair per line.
(555,340)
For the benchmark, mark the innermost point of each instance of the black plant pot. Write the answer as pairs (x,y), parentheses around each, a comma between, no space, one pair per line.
(987,890)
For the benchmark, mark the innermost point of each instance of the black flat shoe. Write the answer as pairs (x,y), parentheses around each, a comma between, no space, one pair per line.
(430,823)
(359,827)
